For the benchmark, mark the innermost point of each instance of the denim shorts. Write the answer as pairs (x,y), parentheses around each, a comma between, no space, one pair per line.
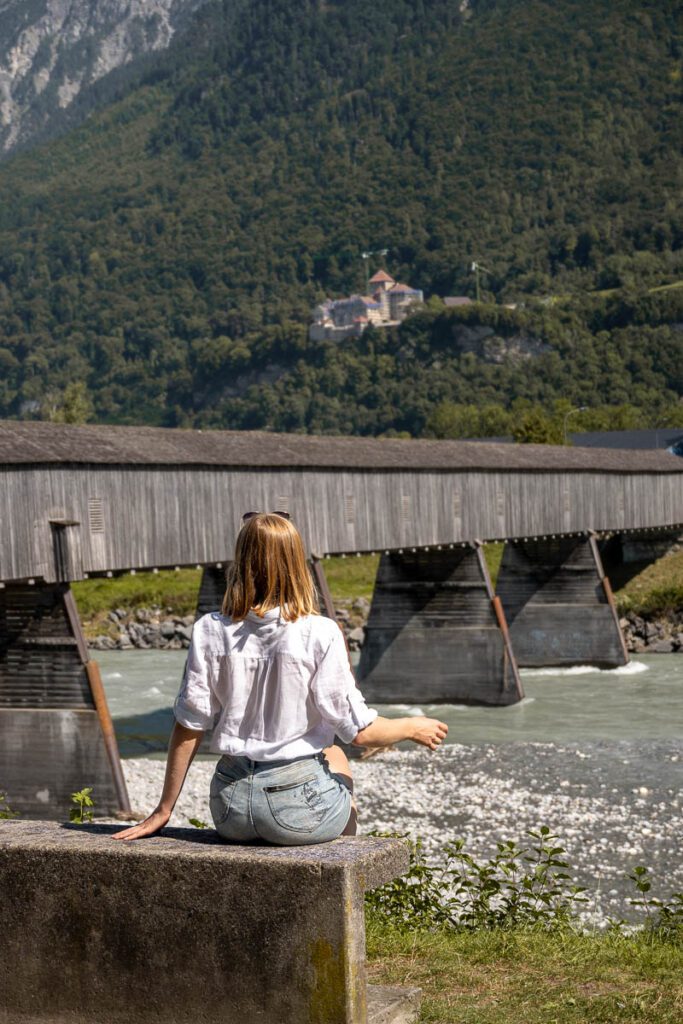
(290,803)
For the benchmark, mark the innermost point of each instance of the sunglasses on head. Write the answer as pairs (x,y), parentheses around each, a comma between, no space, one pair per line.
(250,515)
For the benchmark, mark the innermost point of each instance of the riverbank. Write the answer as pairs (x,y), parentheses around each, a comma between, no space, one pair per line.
(156,610)
(157,628)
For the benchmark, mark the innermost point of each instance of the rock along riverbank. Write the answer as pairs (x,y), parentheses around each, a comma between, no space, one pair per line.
(158,629)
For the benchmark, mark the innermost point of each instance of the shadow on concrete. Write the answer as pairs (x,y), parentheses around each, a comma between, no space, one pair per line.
(196,836)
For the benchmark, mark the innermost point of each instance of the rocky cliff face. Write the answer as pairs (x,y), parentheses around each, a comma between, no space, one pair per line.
(51,51)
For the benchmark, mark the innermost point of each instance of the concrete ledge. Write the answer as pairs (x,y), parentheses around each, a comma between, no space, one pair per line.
(184,928)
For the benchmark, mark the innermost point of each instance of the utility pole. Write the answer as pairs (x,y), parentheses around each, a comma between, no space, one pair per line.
(476,268)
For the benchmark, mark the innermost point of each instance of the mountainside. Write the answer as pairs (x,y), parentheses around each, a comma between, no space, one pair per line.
(52,51)
(167,252)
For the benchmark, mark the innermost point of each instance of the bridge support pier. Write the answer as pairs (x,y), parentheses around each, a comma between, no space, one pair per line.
(436,633)
(56,733)
(559,604)
(211,590)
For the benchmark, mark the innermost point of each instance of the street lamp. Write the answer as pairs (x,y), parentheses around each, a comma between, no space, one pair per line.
(580,408)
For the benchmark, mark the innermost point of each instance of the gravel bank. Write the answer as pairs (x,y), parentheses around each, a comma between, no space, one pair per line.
(614,804)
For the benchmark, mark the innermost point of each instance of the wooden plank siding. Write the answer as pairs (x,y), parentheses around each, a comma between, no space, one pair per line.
(143,516)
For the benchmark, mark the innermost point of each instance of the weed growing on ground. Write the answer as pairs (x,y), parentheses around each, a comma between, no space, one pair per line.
(81,813)
(663,917)
(198,823)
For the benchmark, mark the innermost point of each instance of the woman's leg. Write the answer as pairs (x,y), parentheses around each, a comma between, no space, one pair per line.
(339,765)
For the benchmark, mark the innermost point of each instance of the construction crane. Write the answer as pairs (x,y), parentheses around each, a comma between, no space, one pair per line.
(476,268)
(366,256)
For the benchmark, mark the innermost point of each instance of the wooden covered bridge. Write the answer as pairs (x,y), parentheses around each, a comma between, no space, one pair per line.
(94,500)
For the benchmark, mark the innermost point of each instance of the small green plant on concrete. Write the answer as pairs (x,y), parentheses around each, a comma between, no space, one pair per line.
(6,811)
(83,801)
(197,822)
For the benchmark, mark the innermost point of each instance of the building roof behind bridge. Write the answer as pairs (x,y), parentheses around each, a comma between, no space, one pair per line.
(40,443)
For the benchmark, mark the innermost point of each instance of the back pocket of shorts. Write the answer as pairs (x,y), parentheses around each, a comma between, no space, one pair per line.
(220,798)
(298,806)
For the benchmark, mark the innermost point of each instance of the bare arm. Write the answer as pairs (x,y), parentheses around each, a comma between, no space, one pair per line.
(182,747)
(430,732)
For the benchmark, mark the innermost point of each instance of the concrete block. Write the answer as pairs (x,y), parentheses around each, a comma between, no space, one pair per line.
(393,1004)
(183,928)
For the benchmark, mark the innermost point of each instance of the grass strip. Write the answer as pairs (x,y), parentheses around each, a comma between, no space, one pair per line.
(656,590)
(529,976)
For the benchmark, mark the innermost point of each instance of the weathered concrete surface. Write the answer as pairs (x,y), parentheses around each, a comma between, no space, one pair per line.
(393,1004)
(559,604)
(432,633)
(184,928)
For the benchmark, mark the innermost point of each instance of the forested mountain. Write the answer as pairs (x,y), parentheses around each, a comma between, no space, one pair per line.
(57,57)
(167,252)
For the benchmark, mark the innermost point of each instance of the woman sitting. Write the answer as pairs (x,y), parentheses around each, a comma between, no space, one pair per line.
(271,677)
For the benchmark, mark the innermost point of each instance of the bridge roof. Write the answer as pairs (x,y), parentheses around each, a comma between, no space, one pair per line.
(40,443)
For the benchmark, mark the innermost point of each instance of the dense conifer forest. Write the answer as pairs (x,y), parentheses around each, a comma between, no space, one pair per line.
(158,264)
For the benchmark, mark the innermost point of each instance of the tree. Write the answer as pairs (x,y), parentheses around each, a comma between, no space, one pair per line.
(536,427)
(74,405)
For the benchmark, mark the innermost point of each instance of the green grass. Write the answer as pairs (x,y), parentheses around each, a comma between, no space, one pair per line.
(351,577)
(348,578)
(167,589)
(532,977)
(656,590)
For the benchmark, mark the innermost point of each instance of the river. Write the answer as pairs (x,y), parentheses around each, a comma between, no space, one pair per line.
(595,755)
(642,700)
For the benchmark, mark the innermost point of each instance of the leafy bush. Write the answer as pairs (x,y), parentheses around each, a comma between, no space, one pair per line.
(518,887)
(6,811)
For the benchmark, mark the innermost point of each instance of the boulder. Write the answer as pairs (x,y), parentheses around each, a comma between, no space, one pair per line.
(661,647)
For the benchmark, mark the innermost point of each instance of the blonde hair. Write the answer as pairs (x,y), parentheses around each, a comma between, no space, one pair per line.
(269,570)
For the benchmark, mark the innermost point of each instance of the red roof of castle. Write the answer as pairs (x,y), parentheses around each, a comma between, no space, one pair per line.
(380,276)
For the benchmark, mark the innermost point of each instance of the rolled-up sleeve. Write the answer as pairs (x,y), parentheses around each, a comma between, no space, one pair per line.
(196,705)
(335,694)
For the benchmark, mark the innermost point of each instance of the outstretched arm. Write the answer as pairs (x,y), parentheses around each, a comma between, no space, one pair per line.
(430,732)
(182,747)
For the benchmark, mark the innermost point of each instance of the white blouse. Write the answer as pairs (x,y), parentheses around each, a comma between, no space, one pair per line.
(270,689)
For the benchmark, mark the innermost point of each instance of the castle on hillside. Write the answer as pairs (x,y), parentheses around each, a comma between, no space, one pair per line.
(387,306)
